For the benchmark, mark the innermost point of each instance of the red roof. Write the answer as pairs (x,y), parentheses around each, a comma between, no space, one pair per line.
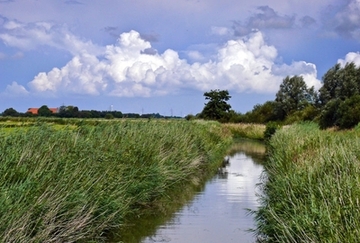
(53,110)
(35,110)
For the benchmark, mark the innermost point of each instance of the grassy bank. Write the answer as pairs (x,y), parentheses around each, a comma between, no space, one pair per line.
(245,130)
(312,188)
(76,184)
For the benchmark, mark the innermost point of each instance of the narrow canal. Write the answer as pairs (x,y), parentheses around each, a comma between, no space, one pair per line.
(218,211)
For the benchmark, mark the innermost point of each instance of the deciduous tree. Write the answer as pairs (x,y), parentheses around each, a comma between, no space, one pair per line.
(217,107)
(44,111)
(293,95)
(340,83)
(10,112)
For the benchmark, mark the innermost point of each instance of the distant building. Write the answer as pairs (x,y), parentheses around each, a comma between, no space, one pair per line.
(34,111)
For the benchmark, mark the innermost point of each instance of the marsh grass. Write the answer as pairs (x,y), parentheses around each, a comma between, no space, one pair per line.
(246,130)
(311,190)
(76,184)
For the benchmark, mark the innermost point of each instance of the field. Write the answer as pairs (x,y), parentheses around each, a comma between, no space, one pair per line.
(77,180)
(311,191)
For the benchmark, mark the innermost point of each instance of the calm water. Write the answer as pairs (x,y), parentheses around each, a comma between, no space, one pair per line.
(217,213)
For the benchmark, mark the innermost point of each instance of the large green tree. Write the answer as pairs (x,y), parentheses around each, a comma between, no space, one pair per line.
(338,96)
(69,111)
(340,83)
(293,95)
(44,111)
(217,107)
(10,112)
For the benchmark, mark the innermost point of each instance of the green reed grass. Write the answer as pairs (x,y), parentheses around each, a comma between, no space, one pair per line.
(77,184)
(246,130)
(311,190)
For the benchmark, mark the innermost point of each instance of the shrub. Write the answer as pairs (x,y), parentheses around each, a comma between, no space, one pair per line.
(109,116)
(270,130)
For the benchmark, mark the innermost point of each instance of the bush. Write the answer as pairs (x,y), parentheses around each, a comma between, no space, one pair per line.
(190,117)
(270,130)
(349,112)
(329,116)
(109,116)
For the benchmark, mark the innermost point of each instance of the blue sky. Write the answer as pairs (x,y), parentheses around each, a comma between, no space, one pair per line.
(162,55)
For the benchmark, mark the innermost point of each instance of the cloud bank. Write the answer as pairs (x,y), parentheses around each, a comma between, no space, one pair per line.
(131,67)
(32,35)
(125,69)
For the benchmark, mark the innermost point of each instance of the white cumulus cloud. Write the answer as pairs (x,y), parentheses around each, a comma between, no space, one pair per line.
(124,69)
(351,57)
(15,89)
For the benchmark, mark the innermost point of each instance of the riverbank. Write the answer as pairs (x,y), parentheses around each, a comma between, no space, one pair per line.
(311,192)
(214,211)
(77,183)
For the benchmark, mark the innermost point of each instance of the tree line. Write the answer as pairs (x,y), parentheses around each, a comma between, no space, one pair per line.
(74,112)
(335,104)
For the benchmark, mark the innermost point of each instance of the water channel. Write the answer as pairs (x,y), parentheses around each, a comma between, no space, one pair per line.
(216,212)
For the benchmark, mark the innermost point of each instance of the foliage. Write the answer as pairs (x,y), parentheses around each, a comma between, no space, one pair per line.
(333,105)
(44,111)
(74,184)
(217,107)
(329,116)
(339,97)
(189,117)
(311,191)
(262,113)
(349,112)
(70,111)
(293,95)
(309,113)
(109,116)
(10,112)
(340,83)
(270,129)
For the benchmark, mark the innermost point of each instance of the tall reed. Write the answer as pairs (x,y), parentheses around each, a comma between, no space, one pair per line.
(311,190)
(246,130)
(77,184)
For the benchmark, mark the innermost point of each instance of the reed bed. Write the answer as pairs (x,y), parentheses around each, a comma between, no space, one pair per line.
(77,184)
(311,191)
(246,130)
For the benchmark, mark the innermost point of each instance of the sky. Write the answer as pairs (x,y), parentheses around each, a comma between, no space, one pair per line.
(160,56)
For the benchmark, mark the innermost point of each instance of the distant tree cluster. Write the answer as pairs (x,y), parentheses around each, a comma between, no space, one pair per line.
(74,112)
(337,103)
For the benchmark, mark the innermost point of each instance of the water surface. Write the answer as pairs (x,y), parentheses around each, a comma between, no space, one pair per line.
(218,212)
